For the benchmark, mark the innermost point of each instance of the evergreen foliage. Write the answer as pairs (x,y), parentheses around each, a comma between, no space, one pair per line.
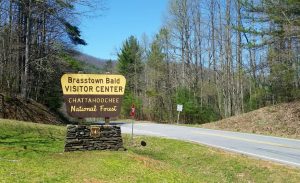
(277,22)
(192,110)
(130,65)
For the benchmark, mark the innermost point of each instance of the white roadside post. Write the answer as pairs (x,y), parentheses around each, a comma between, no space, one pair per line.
(179,109)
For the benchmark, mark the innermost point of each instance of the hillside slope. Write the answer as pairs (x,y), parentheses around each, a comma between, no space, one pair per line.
(279,120)
(29,110)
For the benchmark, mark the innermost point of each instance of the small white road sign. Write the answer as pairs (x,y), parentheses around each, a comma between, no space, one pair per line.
(179,107)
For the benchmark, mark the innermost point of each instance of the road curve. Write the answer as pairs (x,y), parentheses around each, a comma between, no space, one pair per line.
(281,150)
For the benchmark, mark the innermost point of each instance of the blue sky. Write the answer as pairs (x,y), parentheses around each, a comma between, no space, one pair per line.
(105,34)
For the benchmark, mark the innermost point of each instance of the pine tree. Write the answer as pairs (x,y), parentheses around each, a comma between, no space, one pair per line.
(130,65)
(277,23)
(157,80)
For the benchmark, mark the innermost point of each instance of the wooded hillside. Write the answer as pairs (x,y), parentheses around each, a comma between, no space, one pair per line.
(35,42)
(218,58)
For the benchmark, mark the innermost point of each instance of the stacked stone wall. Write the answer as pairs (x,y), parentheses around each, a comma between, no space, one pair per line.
(93,137)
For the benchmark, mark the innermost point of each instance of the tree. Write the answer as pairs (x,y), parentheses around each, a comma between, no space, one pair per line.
(33,34)
(157,80)
(277,22)
(109,66)
(130,65)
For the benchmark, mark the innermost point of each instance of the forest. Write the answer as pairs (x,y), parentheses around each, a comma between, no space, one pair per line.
(218,58)
(37,41)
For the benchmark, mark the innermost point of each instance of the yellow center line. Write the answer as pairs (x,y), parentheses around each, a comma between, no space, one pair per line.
(246,140)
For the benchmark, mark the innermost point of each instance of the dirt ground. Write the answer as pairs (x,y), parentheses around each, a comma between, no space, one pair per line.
(29,110)
(281,120)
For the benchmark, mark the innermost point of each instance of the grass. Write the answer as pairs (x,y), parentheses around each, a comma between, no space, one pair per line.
(34,153)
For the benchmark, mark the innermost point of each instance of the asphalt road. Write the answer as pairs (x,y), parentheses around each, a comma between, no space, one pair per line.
(282,150)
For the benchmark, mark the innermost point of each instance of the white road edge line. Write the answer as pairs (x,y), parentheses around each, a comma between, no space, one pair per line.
(233,150)
(218,130)
(247,140)
(250,154)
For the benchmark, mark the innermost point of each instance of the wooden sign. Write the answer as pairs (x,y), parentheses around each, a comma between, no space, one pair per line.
(93,95)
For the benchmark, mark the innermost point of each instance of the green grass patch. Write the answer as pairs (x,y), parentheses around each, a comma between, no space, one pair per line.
(34,153)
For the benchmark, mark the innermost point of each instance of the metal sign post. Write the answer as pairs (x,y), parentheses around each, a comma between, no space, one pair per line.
(132,130)
(132,113)
(179,109)
(178,116)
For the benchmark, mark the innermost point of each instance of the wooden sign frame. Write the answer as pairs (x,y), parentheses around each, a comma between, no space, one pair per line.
(93,95)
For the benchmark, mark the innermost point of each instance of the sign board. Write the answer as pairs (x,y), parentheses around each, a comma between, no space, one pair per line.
(93,95)
(179,107)
(132,112)
(95,131)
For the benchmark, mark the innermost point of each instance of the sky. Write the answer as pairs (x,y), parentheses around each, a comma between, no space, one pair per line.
(105,34)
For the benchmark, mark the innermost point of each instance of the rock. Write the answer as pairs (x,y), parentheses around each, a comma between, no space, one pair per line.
(79,138)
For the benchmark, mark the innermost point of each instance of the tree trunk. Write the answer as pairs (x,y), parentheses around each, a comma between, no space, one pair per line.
(24,91)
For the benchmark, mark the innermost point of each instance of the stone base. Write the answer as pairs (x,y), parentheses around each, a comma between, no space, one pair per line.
(93,137)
